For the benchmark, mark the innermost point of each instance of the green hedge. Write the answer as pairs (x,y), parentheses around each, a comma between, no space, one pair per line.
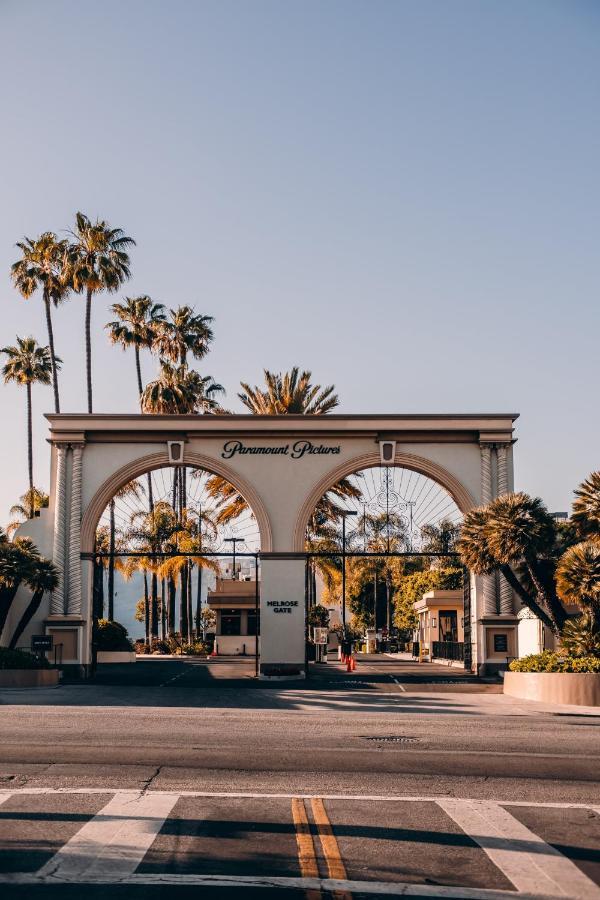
(20,659)
(112,636)
(550,661)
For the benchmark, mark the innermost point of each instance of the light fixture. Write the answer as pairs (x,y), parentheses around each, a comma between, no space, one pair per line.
(175,451)
(387,452)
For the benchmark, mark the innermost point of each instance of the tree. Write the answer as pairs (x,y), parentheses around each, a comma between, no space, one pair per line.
(41,577)
(137,325)
(131,489)
(513,532)
(28,364)
(289,393)
(586,507)
(43,265)
(97,261)
(38,500)
(184,332)
(179,391)
(578,579)
(208,620)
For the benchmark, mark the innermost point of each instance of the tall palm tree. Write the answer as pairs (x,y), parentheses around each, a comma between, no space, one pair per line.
(43,265)
(184,332)
(586,507)
(290,393)
(28,364)
(578,579)
(98,261)
(137,324)
(131,489)
(39,499)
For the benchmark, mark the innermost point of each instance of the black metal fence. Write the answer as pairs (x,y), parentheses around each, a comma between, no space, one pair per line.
(451,650)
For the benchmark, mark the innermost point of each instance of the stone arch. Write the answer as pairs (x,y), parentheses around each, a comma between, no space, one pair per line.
(459,493)
(144,464)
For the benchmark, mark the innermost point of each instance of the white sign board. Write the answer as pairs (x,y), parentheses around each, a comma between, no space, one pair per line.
(320,635)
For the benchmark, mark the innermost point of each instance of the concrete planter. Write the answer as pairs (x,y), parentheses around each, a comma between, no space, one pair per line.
(570,688)
(26,678)
(116,656)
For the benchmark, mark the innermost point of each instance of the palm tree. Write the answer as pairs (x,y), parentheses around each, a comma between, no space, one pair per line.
(98,261)
(289,393)
(578,579)
(185,332)
(43,264)
(137,325)
(179,391)
(28,364)
(39,500)
(42,577)
(586,507)
(477,555)
(131,489)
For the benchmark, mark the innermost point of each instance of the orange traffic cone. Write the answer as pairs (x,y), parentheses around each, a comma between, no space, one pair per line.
(348,664)
(353,663)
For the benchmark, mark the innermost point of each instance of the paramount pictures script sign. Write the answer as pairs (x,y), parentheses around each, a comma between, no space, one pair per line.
(297,450)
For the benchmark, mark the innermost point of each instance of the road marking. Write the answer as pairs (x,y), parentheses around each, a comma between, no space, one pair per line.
(529,862)
(331,851)
(115,840)
(306,848)
(253,795)
(5,795)
(395,680)
(389,888)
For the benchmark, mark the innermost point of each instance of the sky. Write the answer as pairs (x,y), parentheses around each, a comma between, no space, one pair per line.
(402,197)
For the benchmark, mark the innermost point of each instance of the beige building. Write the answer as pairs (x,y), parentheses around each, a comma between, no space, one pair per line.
(441,628)
(282,466)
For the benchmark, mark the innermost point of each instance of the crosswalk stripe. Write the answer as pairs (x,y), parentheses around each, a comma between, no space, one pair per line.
(4,795)
(528,861)
(115,840)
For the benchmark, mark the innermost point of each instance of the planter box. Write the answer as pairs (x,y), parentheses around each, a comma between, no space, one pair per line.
(25,678)
(570,688)
(116,656)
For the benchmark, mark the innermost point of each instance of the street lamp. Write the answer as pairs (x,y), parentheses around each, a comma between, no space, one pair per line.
(344,513)
(235,541)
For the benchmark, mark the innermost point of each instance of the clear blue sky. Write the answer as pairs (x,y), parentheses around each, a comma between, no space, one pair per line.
(401,196)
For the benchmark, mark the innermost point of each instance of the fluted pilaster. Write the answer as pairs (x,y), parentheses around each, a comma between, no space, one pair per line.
(58,598)
(489,581)
(506,593)
(74,593)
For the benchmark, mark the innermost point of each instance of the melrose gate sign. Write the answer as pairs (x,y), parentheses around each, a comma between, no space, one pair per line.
(93,456)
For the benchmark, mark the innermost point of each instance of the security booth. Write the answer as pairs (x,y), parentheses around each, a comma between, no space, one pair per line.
(441,624)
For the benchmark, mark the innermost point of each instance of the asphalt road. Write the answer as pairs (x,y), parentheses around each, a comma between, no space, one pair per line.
(172,775)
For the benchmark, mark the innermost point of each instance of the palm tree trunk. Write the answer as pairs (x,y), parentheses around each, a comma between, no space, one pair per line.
(189,601)
(30,448)
(88,346)
(28,614)
(138,370)
(154,608)
(555,607)
(111,563)
(526,598)
(52,353)
(172,598)
(183,606)
(7,595)
(163,610)
(146,609)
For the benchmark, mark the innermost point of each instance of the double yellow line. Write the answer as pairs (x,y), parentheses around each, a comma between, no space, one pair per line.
(306,847)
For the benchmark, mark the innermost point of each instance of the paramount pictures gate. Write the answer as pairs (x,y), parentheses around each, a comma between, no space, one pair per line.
(281,466)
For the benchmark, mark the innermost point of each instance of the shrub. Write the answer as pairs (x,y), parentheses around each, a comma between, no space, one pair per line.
(550,661)
(579,637)
(112,636)
(20,659)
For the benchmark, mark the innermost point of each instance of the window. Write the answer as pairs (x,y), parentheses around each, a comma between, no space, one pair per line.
(252,620)
(231,622)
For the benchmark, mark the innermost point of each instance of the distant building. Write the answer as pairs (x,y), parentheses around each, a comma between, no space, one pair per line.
(234,602)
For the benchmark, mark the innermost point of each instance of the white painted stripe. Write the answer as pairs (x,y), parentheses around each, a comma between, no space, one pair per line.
(114,841)
(4,795)
(253,795)
(395,680)
(529,862)
(389,888)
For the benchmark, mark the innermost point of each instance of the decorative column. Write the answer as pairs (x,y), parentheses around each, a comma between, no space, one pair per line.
(489,581)
(58,598)
(74,594)
(506,594)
